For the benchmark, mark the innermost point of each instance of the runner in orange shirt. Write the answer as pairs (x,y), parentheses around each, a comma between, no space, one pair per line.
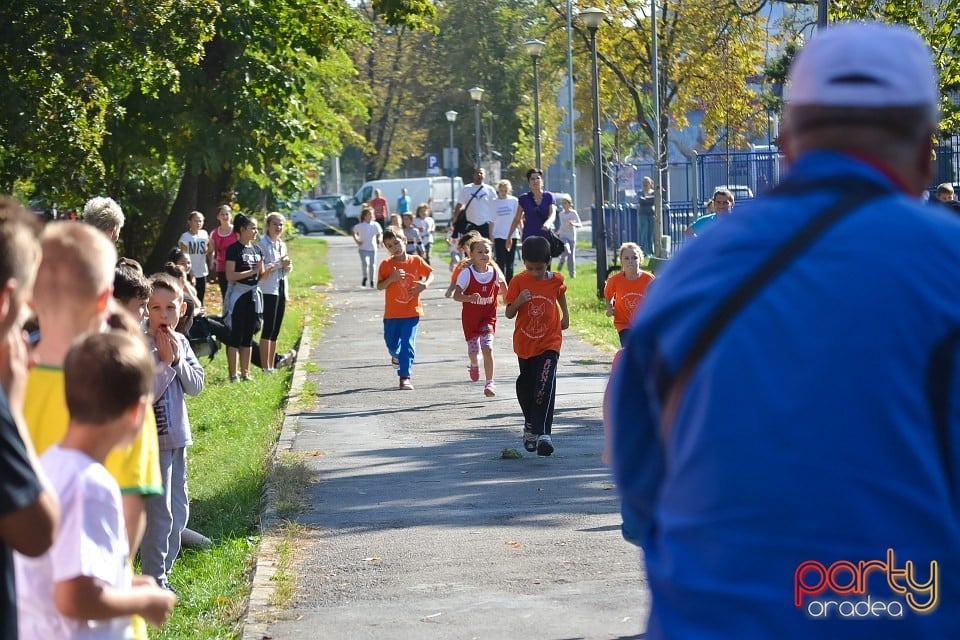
(624,291)
(402,277)
(537,298)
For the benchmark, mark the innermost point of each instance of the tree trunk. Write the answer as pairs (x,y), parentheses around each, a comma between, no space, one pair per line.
(197,192)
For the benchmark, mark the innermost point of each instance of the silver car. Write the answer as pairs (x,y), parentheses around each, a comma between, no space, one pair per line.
(318,215)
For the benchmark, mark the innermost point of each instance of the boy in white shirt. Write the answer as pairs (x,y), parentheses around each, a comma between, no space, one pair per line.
(82,588)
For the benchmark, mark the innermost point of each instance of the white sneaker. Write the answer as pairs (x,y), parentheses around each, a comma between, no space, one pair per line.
(544,445)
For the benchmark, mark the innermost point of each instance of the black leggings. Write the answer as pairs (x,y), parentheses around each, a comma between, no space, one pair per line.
(243,322)
(505,259)
(274,306)
(536,391)
(201,284)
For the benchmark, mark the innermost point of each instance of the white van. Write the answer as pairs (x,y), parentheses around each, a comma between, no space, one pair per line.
(420,190)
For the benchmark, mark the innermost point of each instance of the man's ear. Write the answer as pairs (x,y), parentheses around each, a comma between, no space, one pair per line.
(6,299)
(103,299)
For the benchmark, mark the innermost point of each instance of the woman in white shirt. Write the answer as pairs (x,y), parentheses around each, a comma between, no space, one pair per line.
(504,208)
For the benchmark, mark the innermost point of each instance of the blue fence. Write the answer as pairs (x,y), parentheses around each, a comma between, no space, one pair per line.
(688,184)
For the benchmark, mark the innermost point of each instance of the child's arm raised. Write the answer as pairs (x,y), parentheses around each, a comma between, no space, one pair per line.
(84,598)
(189,370)
(522,298)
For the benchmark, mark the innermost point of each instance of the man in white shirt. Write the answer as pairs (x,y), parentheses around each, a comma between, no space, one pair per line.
(474,202)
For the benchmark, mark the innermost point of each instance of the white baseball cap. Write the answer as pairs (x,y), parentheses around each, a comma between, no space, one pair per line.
(864,64)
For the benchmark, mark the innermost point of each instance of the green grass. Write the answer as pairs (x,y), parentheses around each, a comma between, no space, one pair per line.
(235,428)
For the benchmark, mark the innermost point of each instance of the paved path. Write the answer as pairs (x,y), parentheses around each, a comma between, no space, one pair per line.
(417,527)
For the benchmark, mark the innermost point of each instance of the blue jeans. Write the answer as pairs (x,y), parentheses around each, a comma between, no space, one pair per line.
(647,235)
(400,334)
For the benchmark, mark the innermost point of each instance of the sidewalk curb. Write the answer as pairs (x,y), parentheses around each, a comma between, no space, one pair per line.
(259,611)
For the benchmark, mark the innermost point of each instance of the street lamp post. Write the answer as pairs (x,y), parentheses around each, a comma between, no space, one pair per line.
(476,94)
(534,49)
(451,118)
(593,17)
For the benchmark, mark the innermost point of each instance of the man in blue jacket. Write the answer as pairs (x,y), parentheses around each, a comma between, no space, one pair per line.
(786,414)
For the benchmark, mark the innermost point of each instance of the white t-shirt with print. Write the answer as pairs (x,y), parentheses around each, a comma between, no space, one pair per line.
(479,210)
(504,211)
(91,541)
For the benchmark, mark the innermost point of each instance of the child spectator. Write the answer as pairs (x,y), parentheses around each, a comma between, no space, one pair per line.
(426,225)
(537,298)
(132,290)
(368,235)
(167,518)
(28,504)
(82,587)
(412,235)
(477,287)
(274,288)
(569,223)
(221,239)
(243,305)
(71,297)
(196,244)
(402,278)
(624,291)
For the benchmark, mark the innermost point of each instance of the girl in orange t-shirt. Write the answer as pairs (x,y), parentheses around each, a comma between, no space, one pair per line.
(624,291)
(402,278)
(477,288)
(537,298)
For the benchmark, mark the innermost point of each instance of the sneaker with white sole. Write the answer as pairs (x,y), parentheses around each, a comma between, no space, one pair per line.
(405,384)
(286,360)
(544,445)
(474,372)
(395,362)
(490,389)
(529,441)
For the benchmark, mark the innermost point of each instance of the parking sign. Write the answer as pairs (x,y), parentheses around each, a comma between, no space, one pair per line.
(433,164)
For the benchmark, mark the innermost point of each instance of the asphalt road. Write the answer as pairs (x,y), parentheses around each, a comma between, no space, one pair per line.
(416,526)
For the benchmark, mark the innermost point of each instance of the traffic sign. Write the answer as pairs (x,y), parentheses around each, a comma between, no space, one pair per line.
(433,164)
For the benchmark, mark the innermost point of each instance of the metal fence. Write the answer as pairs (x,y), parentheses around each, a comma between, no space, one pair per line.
(748,174)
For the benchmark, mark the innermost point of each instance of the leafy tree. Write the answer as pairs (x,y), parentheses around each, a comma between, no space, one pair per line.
(936,22)
(65,69)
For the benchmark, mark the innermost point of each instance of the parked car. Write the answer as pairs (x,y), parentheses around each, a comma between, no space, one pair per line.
(323,214)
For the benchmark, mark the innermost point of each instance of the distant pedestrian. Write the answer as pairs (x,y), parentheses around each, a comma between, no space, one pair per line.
(243,305)
(536,211)
(569,223)
(427,226)
(402,278)
(195,242)
(645,215)
(536,297)
(504,211)
(381,208)
(369,236)
(472,210)
(625,290)
(222,238)
(403,202)
(477,288)
(274,286)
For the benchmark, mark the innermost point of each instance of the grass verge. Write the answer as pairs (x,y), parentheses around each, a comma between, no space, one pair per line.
(235,428)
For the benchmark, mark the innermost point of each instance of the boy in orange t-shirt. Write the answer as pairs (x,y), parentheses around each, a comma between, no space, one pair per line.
(402,277)
(537,298)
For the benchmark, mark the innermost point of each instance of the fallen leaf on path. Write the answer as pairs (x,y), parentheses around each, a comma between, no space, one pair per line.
(372,559)
(516,544)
